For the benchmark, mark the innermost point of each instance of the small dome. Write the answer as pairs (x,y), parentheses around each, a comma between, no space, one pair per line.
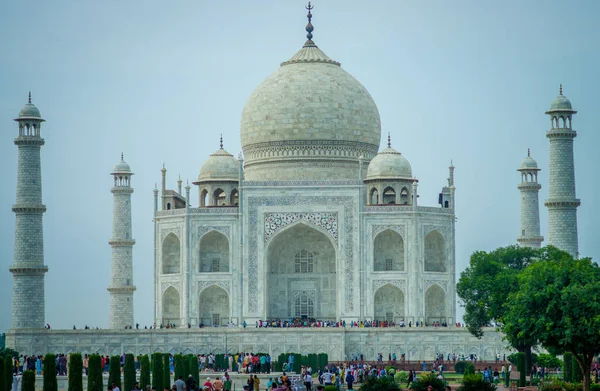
(30,111)
(220,166)
(528,163)
(122,167)
(389,163)
(561,103)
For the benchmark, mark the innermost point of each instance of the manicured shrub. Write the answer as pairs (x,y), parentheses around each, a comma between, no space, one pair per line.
(521,368)
(193,368)
(157,371)
(424,381)
(460,366)
(178,366)
(401,377)
(28,382)
(167,370)
(75,372)
(469,369)
(129,372)
(568,370)
(114,371)
(8,365)
(577,373)
(3,374)
(50,383)
(331,388)
(94,379)
(144,372)
(475,383)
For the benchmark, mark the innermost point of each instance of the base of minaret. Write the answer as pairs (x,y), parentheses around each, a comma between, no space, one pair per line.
(121,307)
(28,310)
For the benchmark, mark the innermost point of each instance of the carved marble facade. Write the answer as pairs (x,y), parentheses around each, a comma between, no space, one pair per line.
(305,249)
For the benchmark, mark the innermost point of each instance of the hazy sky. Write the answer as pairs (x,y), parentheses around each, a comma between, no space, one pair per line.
(159,81)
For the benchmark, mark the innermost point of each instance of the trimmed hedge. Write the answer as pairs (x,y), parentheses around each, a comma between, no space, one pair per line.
(521,368)
(576,372)
(129,372)
(178,366)
(193,368)
(50,383)
(114,371)
(28,383)
(476,383)
(8,365)
(144,371)
(167,371)
(157,371)
(94,380)
(75,372)
(568,370)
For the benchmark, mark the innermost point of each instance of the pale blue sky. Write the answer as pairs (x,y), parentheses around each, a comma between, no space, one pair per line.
(159,81)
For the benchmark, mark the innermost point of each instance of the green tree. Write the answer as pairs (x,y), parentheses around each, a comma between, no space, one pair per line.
(94,379)
(129,372)
(144,371)
(28,383)
(157,371)
(558,303)
(114,371)
(50,383)
(166,371)
(485,285)
(178,366)
(75,372)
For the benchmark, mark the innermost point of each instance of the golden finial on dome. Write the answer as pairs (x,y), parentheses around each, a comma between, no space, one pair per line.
(309,26)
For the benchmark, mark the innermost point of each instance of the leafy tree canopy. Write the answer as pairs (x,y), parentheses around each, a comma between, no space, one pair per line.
(558,303)
(488,280)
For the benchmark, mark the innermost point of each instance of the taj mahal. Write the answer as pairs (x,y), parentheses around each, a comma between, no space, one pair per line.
(319,218)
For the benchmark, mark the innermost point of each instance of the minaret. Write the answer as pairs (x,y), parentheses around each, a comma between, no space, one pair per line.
(28,269)
(121,286)
(530,204)
(562,203)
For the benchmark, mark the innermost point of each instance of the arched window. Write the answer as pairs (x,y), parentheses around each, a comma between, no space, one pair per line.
(303,262)
(219,198)
(214,253)
(204,198)
(389,196)
(304,306)
(234,199)
(374,197)
(404,196)
(388,252)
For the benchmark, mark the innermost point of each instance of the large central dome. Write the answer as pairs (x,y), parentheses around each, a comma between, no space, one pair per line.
(310,120)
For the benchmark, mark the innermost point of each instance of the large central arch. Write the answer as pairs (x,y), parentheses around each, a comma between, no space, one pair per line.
(301,274)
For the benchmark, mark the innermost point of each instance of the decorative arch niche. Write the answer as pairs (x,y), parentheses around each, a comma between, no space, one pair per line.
(388,252)
(171,254)
(214,253)
(214,306)
(435,252)
(435,304)
(171,307)
(388,304)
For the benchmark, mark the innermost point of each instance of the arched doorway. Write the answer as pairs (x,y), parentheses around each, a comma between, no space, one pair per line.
(388,252)
(389,304)
(435,304)
(214,306)
(171,307)
(301,274)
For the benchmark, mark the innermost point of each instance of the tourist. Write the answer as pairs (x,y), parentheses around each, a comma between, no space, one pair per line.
(327,377)
(256,383)
(208,385)
(136,387)
(308,381)
(349,380)
(180,384)
(227,383)
(116,388)
(411,378)
(217,385)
